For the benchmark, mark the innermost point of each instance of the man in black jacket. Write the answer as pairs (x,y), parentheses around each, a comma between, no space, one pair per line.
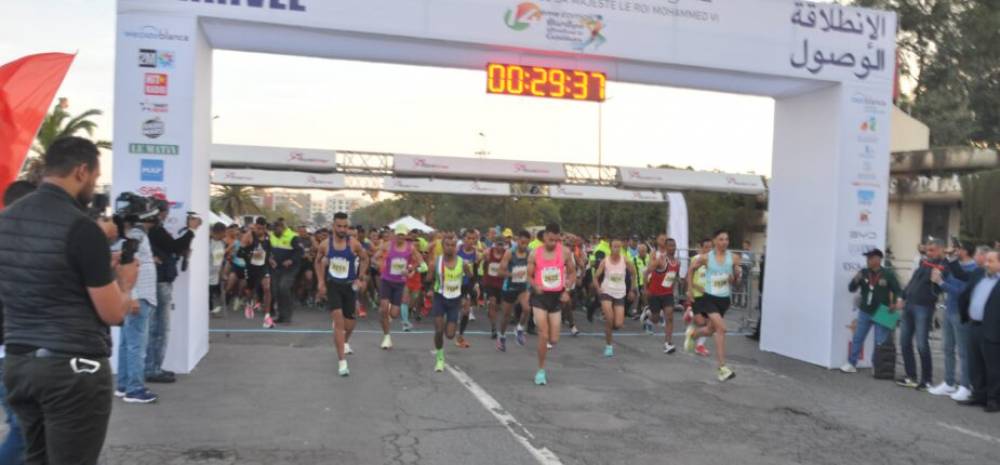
(979,306)
(168,250)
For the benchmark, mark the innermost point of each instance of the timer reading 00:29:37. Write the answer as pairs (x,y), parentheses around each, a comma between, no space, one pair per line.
(538,81)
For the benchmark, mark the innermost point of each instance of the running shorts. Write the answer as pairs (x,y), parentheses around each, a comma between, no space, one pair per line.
(510,296)
(393,292)
(449,308)
(548,301)
(469,291)
(492,293)
(255,276)
(341,296)
(615,302)
(713,304)
(240,271)
(661,302)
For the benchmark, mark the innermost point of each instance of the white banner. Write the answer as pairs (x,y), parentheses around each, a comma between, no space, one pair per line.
(445,186)
(573,191)
(658,178)
(293,179)
(273,157)
(420,165)
(677,226)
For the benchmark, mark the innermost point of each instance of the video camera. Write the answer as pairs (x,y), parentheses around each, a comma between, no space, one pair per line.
(98,206)
(131,208)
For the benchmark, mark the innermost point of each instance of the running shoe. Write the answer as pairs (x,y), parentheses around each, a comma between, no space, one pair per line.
(519,333)
(120,392)
(472,315)
(248,311)
(342,369)
(725,374)
(268,321)
(647,326)
(362,313)
(689,339)
(540,378)
(907,383)
(407,326)
(387,342)
(668,348)
(609,351)
(942,389)
(461,342)
(548,345)
(848,368)
(502,344)
(439,365)
(347,349)
(573,331)
(493,333)
(701,350)
(143,396)
(217,310)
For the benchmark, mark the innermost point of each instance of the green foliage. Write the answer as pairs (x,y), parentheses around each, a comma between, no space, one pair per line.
(235,201)
(58,124)
(980,221)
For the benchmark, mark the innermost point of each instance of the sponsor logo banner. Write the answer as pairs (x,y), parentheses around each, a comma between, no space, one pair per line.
(151,170)
(153,107)
(149,32)
(153,128)
(155,84)
(153,149)
(153,58)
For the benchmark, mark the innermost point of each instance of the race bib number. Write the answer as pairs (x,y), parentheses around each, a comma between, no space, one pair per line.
(452,289)
(258,257)
(397,267)
(519,274)
(720,282)
(668,279)
(218,254)
(339,268)
(616,278)
(551,277)
(494,269)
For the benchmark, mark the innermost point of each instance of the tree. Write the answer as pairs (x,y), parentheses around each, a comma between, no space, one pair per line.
(980,223)
(56,125)
(235,201)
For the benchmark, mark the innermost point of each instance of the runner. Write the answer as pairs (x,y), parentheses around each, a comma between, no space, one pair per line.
(411,297)
(259,262)
(514,267)
(446,291)
(342,259)
(395,257)
(722,270)
(493,282)
(550,268)
(696,293)
(470,254)
(662,274)
(641,260)
(236,279)
(610,278)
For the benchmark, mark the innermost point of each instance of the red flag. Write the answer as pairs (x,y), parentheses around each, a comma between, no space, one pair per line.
(27,87)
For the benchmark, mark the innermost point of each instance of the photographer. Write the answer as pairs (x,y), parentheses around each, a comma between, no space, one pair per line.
(167,250)
(60,296)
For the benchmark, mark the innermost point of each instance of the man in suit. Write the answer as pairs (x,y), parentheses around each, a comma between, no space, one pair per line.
(980,307)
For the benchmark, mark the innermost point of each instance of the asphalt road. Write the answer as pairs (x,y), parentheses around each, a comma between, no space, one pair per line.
(273,397)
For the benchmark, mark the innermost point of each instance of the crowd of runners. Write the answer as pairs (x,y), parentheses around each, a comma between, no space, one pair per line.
(531,283)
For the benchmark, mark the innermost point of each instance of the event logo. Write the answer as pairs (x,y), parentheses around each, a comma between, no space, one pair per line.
(524,168)
(859,249)
(864,217)
(732,181)
(423,163)
(150,107)
(154,33)
(869,125)
(313,180)
(863,235)
(155,84)
(151,58)
(852,266)
(154,149)
(866,197)
(643,195)
(872,105)
(288,5)
(151,170)
(868,153)
(234,176)
(152,191)
(637,174)
(153,128)
(522,18)
(299,156)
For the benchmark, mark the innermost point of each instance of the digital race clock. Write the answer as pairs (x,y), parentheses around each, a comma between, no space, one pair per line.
(539,81)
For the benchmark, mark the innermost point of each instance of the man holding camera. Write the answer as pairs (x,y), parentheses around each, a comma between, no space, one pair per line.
(167,250)
(60,295)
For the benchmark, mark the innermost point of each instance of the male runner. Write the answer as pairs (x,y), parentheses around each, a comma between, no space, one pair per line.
(610,278)
(336,259)
(493,281)
(469,251)
(446,289)
(411,297)
(514,267)
(550,267)
(236,278)
(695,298)
(257,245)
(641,260)
(662,274)
(395,258)
(722,271)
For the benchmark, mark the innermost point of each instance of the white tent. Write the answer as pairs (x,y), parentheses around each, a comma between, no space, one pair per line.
(411,223)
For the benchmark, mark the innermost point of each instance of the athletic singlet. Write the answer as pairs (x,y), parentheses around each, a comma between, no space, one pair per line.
(662,282)
(468,257)
(549,273)
(343,268)
(517,272)
(238,261)
(396,263)
(613,283)
(260,250)
(448,281)
(717,276)
(698,280)
(492,277)
(640,268)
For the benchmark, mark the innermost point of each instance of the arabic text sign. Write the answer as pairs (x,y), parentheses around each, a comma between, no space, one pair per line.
(476,168)
(654,178)
(248,177)
(571,191)
(852,40)
(445,186)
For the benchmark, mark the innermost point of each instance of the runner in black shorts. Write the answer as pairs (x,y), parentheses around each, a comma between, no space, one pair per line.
(259,262)
(445,277)
(550,267)
(337,260)
(722,271)
(514,267)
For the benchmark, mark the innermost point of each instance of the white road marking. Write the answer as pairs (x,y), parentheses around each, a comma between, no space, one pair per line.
(969,432)
(542,454)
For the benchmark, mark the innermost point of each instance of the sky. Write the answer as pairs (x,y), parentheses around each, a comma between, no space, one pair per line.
(333,104)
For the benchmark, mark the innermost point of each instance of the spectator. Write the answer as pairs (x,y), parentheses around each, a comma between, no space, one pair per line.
(58,304)
(167,250)
(980,307)
(956,333)
(287,250)
(879,287)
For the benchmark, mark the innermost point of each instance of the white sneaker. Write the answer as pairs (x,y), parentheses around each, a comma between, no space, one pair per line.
(962,394)
(347,349)
(472,315)
(217,310)
(548,345)
(848,368)
(668,348)
(942,389)
(387,342)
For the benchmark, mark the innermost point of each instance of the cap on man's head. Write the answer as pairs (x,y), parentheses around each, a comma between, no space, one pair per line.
(874,252)
(508,233)
(401,229)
